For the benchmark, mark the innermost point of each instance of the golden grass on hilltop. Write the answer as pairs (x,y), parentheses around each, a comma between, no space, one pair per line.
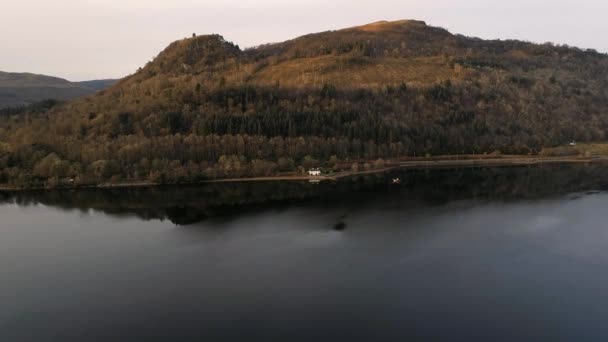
(384,26)
(346,71)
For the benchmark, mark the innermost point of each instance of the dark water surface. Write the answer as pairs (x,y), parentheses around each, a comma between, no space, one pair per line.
(510,254)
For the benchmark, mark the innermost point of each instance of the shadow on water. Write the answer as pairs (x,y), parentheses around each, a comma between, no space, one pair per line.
(341,224)
(186,205)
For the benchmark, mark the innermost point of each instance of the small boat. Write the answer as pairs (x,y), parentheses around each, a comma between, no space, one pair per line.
(396,181)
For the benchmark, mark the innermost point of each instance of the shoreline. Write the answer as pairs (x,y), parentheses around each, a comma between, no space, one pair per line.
(445,162)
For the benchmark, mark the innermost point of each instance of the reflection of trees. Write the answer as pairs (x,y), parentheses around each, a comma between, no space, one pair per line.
(186,205)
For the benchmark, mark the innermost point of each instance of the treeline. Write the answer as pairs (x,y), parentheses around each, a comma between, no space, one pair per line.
(182,159)
(35,108)
(245,132)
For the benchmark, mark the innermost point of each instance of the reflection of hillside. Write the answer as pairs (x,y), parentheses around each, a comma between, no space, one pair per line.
(186,205)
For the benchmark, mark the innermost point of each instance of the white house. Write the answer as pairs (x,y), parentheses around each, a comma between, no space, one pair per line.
(314,172)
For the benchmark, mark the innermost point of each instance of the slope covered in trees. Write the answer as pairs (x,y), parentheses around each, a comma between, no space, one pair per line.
(205,109)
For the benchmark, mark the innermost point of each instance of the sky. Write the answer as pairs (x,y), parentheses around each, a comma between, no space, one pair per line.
(95,39)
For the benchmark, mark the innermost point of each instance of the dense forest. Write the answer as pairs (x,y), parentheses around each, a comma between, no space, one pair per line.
(206,109)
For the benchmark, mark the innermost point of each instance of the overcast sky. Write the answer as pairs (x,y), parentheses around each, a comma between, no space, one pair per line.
(91,39)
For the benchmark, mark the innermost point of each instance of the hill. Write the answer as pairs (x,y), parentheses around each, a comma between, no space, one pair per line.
(97,85)
(19,89)
(205,108)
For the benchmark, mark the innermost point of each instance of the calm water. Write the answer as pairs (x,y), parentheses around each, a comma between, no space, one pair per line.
(513,254)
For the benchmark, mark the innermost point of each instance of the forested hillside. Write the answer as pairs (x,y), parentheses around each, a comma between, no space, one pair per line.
(206,109)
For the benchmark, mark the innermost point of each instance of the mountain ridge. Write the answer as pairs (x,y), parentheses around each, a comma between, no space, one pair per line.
(20,89)
(205,109)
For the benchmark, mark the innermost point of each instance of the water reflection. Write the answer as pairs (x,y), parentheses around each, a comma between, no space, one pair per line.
(187,205)
(511,254)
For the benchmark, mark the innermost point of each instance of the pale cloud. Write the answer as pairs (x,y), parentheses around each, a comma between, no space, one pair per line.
(82,39)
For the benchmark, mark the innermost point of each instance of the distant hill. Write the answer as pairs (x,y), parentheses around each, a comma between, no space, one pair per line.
(204,108)
(19,89)
(97,85)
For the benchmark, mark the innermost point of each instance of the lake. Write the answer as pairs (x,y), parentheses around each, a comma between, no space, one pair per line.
(491,254)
